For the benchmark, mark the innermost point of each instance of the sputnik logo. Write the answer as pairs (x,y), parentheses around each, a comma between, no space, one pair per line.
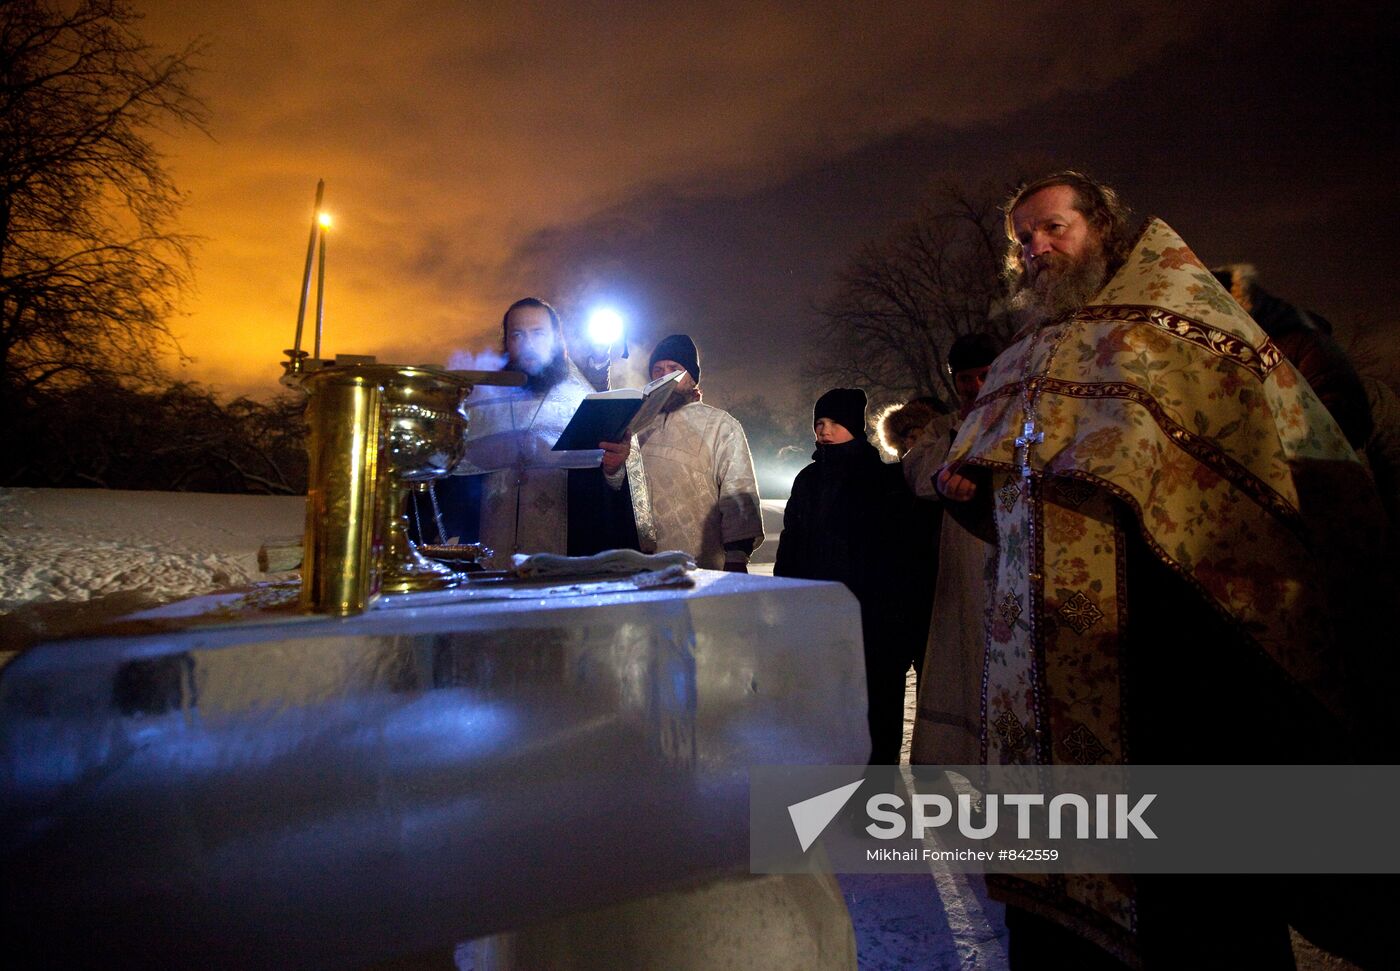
(811,816)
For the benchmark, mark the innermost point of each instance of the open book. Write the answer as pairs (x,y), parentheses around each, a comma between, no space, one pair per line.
(615,416)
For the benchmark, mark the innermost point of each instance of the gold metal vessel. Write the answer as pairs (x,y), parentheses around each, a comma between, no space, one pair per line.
(375,430)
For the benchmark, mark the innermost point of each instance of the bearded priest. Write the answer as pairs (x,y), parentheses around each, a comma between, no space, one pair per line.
(511,491)
(1180,527)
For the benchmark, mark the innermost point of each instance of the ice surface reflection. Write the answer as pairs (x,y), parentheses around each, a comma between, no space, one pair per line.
(332,793)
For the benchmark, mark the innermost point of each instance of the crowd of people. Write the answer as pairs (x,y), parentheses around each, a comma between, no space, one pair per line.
(1155,529)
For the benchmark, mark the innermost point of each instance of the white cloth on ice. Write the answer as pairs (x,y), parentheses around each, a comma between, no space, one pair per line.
(610,561)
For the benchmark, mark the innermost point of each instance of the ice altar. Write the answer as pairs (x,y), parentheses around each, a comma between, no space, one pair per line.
(318,791)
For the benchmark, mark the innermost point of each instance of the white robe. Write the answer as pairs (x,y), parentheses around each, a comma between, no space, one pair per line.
(703,489)
(525,496)
(947,726)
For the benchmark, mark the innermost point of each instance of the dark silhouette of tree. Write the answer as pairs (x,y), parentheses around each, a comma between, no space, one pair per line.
(905,298)
(91,267)
(105,434)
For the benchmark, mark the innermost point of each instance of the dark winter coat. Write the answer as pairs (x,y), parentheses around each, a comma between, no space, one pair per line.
(848,520)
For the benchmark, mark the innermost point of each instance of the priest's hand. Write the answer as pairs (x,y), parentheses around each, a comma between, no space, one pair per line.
(614,455)
(951,485)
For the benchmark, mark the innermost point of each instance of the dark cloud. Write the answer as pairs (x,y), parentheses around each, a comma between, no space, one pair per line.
(710,164)
(1251,141)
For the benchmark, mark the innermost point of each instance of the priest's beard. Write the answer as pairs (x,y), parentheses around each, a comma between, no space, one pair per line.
(679,399)
(540,376)
(1060,286)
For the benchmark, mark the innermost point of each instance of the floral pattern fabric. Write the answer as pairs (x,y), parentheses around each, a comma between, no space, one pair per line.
(1165,411)
(1165,394)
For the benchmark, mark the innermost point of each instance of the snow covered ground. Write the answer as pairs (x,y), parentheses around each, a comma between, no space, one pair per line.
(70,557)
(81,545)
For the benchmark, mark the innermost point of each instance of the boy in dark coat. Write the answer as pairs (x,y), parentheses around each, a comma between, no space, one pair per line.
(845,521)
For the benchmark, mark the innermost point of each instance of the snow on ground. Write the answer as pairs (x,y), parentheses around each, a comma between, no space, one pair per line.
(80,544)
(772,528)
(69,557)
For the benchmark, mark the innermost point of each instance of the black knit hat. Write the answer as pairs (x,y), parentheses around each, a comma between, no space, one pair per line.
(971,351)
(845,406)
(681,349)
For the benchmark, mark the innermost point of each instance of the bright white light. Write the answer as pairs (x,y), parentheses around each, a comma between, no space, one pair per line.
(604,326)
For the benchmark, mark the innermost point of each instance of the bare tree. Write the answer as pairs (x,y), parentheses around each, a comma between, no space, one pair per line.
(106,434)
(905,298)
(90,265)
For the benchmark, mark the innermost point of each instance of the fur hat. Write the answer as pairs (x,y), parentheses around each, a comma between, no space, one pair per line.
(1275,315)
(845,406)
(681,349)
(900,421)
(1240,279)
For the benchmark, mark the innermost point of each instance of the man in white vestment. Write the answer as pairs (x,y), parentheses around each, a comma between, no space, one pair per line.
(532,499)
(699,471)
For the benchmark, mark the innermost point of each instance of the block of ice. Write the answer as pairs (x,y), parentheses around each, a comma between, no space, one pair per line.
(328,791)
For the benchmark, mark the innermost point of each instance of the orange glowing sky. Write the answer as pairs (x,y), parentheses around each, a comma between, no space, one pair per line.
(703,163)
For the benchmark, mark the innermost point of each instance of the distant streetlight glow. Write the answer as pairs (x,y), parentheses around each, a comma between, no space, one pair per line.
(325,220)
(605,327)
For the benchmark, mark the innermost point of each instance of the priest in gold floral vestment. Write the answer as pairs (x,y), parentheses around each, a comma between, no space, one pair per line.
(1169,502)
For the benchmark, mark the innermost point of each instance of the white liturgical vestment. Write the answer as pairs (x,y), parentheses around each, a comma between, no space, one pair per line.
(700,476)
(525,495)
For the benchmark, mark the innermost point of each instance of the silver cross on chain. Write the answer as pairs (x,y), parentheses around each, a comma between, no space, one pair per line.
(1030,396)
(1028,437)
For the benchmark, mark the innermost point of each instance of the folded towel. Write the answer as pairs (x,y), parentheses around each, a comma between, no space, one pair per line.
(613,562)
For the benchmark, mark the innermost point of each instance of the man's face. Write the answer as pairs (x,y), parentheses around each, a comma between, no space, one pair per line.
(904,442)
(530,340)
(968,384)
(664,367)
(1061,252)
(1051,232)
